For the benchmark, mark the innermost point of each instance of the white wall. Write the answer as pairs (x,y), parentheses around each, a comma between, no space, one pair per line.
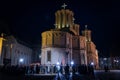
(57,55)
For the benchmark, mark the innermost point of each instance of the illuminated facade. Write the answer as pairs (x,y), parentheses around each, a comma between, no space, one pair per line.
(1,41)
(64,43)
(15,53)
(92,53)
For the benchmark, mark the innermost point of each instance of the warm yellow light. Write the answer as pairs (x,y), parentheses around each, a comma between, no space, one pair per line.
(1,39)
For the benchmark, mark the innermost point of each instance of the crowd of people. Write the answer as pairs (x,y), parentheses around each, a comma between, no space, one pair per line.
(48,69)
(12,69)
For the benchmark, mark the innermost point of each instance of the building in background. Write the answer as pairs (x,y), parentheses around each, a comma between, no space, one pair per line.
(15,52)
(115,62)
(111,62)
(105,62)
(64,44)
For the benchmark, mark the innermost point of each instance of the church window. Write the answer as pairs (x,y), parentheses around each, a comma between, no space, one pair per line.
(48,55)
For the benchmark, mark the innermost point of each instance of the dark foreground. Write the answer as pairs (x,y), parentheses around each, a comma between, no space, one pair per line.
(111,75)
(44,77)
(99,75)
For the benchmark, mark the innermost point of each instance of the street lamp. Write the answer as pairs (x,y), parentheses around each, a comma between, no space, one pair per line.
(72,69)
(92,63)
(21,60)
(58,69)
(58,63)
(72,63)
(58,66)
(39,56)
(105,59)
(117,61)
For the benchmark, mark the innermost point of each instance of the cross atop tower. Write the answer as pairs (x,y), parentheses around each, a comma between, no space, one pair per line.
(73,19)
(64,5)
(86,26)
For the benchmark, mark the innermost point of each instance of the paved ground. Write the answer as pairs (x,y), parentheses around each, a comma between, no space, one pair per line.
(111,75)
(58,77)
(99,75)
(11,77)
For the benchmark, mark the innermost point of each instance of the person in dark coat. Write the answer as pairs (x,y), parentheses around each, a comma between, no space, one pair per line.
(73,69)
(67,69)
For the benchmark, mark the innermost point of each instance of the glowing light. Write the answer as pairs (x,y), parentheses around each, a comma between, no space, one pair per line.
(92,63)
(1,40)
(114,60)
(117,61)
(63,26)
(58,66)
(58,63)
(72,62)
(105,59)
(21,60)
(39,56)
(67,25)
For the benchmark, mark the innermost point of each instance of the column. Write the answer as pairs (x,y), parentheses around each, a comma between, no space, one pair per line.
(59,19)
(63,18)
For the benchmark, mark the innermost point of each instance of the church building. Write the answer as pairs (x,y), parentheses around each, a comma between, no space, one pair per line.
(64,44)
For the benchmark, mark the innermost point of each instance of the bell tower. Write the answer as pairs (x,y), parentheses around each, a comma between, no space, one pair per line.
(87,34)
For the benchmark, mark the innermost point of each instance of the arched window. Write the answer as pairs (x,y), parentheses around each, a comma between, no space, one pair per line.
(48,55)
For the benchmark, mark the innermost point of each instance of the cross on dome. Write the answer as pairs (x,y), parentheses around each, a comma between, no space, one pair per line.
(64,5)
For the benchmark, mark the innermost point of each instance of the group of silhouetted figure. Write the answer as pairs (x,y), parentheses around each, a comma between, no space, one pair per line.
(49,69)
(14,69)
(106,68)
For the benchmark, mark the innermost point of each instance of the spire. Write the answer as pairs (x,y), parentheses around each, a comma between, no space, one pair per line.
(73,20)
(86,27)
(87,33)
(64,5)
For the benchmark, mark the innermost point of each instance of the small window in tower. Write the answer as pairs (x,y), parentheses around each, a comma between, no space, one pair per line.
(48,55)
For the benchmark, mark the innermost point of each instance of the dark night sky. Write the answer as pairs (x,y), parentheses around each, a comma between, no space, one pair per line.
(27,19)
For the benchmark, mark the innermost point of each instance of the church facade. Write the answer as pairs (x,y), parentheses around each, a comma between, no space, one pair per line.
(64,44)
